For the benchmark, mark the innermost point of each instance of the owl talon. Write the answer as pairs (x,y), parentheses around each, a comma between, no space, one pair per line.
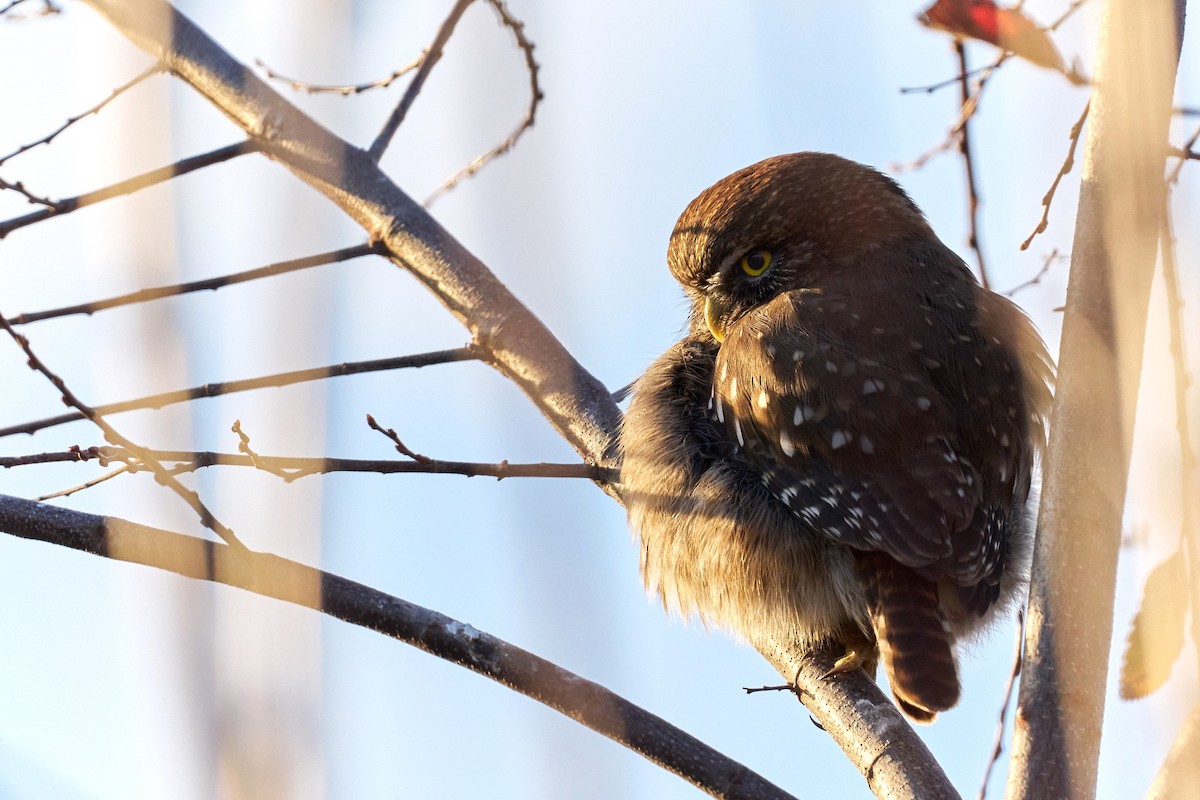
(857,655)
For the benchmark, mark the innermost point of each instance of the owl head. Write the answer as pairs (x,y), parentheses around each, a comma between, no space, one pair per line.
(788,222)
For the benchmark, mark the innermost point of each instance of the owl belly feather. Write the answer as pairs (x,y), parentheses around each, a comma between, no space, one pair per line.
(716,543)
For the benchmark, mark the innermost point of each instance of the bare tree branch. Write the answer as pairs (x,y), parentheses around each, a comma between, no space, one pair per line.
(271,576)
(1069,625)
(57,208)
(428,61)
(865,724)
(1067,165)
(964,147)
(113,436)
(207,284)
(343,89)
(192,460)
(52,135)
(468,353)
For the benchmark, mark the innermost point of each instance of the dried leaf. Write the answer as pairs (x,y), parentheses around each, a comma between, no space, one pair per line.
(1156,638)
(1006,28)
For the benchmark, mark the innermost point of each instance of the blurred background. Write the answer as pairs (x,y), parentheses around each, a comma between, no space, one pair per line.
(117,681)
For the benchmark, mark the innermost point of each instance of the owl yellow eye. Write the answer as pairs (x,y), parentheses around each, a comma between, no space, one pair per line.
(755,263)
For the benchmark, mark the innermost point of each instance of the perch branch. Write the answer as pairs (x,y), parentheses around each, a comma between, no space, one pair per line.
(271,576)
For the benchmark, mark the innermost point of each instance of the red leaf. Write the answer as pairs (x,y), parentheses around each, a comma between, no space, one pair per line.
(1006,28)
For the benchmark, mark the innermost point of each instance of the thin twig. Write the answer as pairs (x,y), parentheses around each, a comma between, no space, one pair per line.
(964,147)
(48,138)
(786,687)
(113,436)
(30,197)
(93,482)
(130,185)
(193,460)
(344,89)
(47,9)
(535,97)
(1189,513)
(933,87)
(400,446)
(1041,273)
(1184,154)
(257,461)
(468,353)
(998,743)
(1067,165)
(207,284)
(430,59)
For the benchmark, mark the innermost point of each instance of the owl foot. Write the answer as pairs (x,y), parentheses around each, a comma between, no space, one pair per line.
(860,651)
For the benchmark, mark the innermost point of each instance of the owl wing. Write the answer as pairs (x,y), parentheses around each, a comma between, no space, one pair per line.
(853,431)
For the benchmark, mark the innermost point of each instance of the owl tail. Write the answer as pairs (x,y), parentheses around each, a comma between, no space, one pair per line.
(914,643)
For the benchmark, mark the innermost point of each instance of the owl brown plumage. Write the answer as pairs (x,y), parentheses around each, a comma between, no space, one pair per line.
(841,447)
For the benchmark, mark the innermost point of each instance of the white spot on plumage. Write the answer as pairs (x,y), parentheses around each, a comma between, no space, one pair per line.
(785,444)
(1004,440)
(923,403)
(725,371)
(840,438)
(737,429)
(866,444)
(797,355)
(720,409)
(830,366)
(763,400)
(872,385)
(733,388)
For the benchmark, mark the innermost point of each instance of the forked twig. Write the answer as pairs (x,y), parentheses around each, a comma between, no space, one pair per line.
(113,436)
(129,185)
(428,62)
(535,97)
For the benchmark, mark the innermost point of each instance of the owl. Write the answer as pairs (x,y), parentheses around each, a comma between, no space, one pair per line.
(840,449)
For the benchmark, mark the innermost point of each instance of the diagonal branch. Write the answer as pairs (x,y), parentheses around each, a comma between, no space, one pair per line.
(57,208)
(514,341)
(271,576)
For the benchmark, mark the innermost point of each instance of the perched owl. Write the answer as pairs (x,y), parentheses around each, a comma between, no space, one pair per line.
(841,447)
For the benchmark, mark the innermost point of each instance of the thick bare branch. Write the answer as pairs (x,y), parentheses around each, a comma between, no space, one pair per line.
(864,723)
(513,339)
(271,576)
(1069,625)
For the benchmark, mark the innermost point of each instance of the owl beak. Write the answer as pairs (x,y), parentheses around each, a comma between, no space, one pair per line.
(716,315)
